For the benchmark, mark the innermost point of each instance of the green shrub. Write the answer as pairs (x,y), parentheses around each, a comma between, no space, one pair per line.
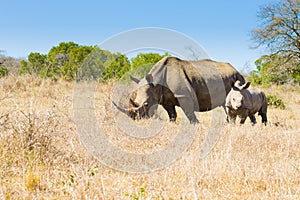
(276,69)
(3,71)
(116,67)
(71,61)
(276,102)
(255,78)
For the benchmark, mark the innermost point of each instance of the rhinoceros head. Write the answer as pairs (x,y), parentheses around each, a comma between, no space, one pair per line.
(143,100)
(237,95)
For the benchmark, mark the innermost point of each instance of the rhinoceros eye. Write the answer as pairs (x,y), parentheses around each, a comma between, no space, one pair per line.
(145,104)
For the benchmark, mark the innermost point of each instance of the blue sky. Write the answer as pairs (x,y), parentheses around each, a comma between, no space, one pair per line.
(221,27)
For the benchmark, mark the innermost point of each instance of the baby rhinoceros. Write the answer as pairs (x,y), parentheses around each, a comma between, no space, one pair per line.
(245,100)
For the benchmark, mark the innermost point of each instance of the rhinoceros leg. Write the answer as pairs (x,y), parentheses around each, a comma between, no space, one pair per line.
(264,118)
(189,106)
(243,115)
(231,119)
(231,115)
(179,84)
(243,120)
(171,112)
(253,119)
(193,119)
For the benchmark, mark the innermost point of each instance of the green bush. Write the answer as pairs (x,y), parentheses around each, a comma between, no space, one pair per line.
(3,71)
(255,78)
(276,69)
(116,67)
(275,101)
(143,63)
(71,61)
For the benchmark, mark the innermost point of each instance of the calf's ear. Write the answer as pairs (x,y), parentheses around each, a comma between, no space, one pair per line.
(246,85)
(236,85)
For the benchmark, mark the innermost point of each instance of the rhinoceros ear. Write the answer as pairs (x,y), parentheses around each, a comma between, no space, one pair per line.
(149,78)
(237,84)
(134,79)
(246,85)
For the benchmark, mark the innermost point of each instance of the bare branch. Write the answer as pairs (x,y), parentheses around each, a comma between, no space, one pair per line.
(279,29)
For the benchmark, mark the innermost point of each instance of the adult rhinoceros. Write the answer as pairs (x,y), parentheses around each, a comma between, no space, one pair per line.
(193,85)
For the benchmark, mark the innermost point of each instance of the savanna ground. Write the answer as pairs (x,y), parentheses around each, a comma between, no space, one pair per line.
(41,156)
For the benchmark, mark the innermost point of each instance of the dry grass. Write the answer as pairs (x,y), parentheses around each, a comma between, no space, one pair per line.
(41,156)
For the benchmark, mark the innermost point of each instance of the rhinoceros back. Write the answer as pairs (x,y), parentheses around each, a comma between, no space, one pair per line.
(212,77)
(210,80)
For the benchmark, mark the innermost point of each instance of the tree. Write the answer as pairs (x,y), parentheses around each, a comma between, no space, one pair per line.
(116,67)
(272,70)
(76,57)
(143,62)
(146,58)
(24,68)
(36,63)
(67,58)
(103,65)
(279,30)
(59,55)
(72,61)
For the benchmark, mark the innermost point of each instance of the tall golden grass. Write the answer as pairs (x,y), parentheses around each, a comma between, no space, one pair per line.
(41,156)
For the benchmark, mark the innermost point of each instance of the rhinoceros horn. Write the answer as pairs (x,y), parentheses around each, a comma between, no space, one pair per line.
(132,112)
(136,80)
(123,110)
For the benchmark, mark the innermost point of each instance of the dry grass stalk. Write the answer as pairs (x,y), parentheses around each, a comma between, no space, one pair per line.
(41,156)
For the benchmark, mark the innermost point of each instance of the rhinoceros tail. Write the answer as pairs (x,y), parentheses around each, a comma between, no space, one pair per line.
(263,110)
(265,103)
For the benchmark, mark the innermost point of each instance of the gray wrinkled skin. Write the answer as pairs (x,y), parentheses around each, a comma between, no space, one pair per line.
(245,101)
(193,85)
